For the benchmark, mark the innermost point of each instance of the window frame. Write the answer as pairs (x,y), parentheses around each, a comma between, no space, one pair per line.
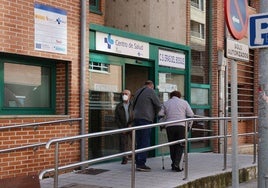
(95,8)
(17,59)
(199,4)
(103,67)
(200,27)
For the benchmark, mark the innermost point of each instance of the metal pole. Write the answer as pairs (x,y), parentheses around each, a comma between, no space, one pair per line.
(56,158)
(263,110)
(225,146)
(133,159)
(83,41)
(235,176)
(254,142)
(186,152)
(226,115)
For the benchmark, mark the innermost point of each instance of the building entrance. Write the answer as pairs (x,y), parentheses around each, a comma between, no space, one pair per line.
(104,94)
(135,76)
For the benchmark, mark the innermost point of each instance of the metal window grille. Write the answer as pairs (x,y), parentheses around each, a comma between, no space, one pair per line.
(99,67)
(245,87)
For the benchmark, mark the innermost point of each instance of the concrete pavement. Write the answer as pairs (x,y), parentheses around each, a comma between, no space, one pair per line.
(115,175)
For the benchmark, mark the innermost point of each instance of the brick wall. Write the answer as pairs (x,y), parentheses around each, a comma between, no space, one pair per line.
(98,18)
(17,37)
(33,160)
(217,40)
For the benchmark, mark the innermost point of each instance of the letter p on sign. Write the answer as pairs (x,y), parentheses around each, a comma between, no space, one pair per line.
(258,31)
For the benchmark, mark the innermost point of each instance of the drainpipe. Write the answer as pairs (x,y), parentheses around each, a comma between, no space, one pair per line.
(221,69)
(82,75)
(210,47)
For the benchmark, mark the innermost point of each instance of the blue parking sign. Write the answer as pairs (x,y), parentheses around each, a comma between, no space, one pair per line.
(258,31)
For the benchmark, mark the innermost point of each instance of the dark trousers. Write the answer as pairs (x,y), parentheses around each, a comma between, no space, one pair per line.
(125,141)
(143,140)
(176,150)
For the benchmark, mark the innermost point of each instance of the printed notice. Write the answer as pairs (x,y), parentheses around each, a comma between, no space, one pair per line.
(50,29)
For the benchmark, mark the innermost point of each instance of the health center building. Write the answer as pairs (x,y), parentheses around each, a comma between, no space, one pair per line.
(64,64)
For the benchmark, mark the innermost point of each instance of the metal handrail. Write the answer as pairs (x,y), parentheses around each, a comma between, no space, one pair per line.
(38,123)
(116,131)
(23,147)
(133,151)
(36,145)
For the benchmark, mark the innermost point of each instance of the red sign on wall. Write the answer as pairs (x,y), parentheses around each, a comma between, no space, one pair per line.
(236,13)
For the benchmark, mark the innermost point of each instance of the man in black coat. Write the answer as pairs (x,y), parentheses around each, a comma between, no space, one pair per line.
(124,118)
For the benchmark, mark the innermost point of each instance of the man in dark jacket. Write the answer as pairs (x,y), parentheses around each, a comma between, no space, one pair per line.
(146,106)
(124,118)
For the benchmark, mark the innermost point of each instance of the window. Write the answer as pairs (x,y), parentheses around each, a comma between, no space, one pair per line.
(99,67)
(198,4)
(95,6)
(197,29)
(27,87)
(199,66)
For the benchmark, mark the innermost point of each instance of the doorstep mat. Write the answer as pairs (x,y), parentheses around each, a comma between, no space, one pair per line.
(92,171)
(75,185)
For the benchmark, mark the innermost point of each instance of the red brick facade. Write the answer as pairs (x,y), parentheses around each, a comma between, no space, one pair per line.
(219,31)
(17,37)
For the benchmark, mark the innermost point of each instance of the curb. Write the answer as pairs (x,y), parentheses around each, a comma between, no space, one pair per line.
(223,180)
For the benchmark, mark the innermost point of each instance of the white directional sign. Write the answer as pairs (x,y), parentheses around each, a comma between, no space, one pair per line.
(237,50)
(258,31)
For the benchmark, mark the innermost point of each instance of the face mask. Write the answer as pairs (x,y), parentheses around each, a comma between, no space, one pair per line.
(125,97)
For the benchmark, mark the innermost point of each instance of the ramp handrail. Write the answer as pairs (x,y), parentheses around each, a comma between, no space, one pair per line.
(36,145)
(39,123)
(56,141)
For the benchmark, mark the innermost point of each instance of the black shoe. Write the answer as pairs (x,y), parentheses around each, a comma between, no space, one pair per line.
(176,168)
(143,168)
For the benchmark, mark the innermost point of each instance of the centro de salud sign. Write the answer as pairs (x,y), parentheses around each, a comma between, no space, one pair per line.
(107,42)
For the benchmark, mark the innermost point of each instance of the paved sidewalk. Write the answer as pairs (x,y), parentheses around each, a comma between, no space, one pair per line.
(249,184)
(115,175)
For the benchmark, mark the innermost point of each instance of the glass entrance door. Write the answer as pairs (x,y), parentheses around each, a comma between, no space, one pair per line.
(106,84)
(104,95)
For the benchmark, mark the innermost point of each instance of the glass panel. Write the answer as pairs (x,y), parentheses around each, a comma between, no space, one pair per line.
(200,129)
(101,67)
(198,4)
(197,29)
(26,86)
(93,2)
(168,82)
(199,96)
(199,73)
(104,95)
(94,6)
